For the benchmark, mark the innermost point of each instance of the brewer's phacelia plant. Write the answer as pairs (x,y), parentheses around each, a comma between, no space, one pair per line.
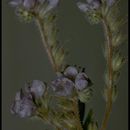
(61,103)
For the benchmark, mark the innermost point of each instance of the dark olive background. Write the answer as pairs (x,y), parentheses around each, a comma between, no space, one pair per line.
(24,58)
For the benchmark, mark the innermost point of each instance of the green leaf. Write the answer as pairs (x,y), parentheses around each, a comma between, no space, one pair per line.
(117,61)
(90,123)
(92,126)
(114,93)
(105,94)
(85,95)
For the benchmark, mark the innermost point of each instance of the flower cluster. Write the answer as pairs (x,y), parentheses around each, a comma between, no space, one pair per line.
(93,5)
(24,104)
(31,4)
(68,83)
(71,80)
(93,9)
(62,103)
(89,5)
(28,9)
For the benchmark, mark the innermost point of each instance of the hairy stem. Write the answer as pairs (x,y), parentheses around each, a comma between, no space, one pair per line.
(40,24)
(76,111)
(110,73)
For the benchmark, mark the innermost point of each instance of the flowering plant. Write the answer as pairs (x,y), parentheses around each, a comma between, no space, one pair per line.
(62,102)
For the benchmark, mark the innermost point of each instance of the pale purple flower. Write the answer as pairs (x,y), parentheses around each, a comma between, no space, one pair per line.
(83,6)
(71,72)
(51,5)
(81,81)
(62,86)
(89,5)
(36,87)
(23,105)
(110,2)
(16,2)
(79,78)
(29,4)
(95,4)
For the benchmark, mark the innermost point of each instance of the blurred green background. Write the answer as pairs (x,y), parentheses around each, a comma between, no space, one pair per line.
(24,58)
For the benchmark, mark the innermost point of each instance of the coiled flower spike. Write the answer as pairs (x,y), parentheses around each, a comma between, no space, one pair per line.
(32,4)
(27,10)
(71,81)
(79,78)
(24,104)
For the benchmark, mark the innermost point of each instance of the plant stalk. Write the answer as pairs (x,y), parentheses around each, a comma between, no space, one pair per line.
(40,24)
(76,111)
(108,108)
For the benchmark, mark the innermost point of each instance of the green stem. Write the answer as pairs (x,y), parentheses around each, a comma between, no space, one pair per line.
(110,73)
(40,24)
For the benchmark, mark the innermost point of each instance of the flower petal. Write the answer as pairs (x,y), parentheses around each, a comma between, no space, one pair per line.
(51,5)
(81,81)
(71,72)
(28,3)
(95,4)
(62,86)
(110,2)
(82,6)
(15,2)
(36,87)
(23,107)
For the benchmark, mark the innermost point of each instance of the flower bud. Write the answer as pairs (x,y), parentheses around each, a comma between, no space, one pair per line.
(110,2)
(71,72)
(36,87)
(62,86)
(36,6)
(81,81)
(82,6)
(23,105)
(89,5)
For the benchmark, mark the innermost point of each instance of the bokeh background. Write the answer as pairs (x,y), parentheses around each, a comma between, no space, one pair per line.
(24,58)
